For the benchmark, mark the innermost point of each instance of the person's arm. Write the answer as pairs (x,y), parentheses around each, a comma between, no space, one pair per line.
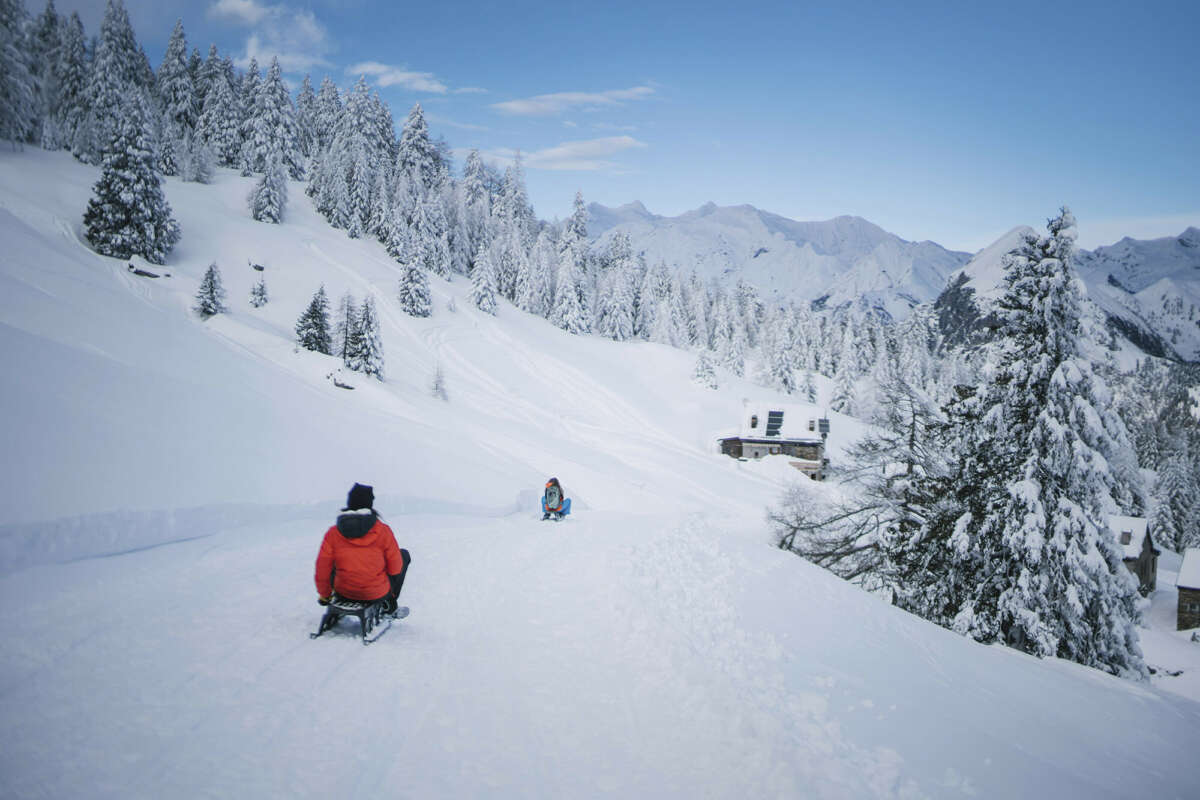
(324,573)
(393,560)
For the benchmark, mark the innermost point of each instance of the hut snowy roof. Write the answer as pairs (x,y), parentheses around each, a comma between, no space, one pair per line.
(791,421)
(1189,571)
(1136,526)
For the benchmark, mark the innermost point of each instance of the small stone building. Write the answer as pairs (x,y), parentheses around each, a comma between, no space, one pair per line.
(1137,545)
(795,431)
(1188,583)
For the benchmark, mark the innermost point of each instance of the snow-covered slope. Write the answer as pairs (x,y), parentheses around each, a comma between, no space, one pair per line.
(838,261)
(1146,292)
(167,481)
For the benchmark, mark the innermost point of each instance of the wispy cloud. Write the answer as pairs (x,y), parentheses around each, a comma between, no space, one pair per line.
(549,104)
(470,90)
(387,75)
(591,155)
(245,12)
(295,36)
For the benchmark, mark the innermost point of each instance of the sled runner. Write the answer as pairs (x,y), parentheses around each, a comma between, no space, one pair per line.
(369,615)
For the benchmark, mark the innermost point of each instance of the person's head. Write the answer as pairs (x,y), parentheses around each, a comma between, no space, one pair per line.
(360,497)
(552,482)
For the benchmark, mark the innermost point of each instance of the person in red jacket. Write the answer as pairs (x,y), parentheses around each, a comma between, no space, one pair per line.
(359,559)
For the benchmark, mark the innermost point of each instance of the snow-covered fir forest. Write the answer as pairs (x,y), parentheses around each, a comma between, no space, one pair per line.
(978,493)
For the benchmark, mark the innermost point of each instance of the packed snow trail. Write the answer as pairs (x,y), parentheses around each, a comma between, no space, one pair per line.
(614,655)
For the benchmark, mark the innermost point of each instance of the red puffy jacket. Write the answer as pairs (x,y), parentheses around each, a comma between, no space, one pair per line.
(356,558)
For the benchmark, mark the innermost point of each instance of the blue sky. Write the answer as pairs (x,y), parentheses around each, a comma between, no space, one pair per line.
(950,121)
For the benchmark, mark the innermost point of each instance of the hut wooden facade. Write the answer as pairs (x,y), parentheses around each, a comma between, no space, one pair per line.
(1188,612)
(1137,545)
(796,432)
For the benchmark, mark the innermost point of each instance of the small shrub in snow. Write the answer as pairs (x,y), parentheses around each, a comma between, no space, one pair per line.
(210,299)
(438,387)
(258,295)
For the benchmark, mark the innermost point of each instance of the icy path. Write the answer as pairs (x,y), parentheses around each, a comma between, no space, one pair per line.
(614,655)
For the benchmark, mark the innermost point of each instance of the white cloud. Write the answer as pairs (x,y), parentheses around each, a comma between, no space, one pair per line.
(295,36)
(246,12)
(547,104)
(470,90)
(590,155)
(386,75)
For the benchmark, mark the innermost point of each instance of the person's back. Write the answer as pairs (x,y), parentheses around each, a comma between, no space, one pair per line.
(359,558)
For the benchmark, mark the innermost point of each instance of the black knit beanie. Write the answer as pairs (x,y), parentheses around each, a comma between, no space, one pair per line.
(360,497)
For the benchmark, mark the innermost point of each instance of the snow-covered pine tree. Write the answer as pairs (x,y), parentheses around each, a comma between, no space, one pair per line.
(117,73)
(1052,581)
(808,387)
(198,160)
(269,126)
(70,78)
(258,295)
(476,204)
(18,97)
(569,312)
(268,198)
(705,372)
(312,329)
(614,311)
(306,119)
(328,113)
(43,41)
(844,399)
(345,319)
(776,358)
(415,298)
(128,213)
(210,298)
(219,126)
(167,155)
(173,87)
(367,353)
(1176,496)
(205,79)
(483,283)
(539,295)
(416,154)
(247,97)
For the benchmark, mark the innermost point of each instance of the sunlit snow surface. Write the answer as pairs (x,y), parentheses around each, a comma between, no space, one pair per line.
(167,481)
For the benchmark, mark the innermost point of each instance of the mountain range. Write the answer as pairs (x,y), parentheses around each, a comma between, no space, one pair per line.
(1144,291)
(831,263)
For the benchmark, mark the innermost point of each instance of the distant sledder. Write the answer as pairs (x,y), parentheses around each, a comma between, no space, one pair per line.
(555,503)
(360,569)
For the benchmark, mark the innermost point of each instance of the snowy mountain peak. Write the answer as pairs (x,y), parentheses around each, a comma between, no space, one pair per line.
(834,262)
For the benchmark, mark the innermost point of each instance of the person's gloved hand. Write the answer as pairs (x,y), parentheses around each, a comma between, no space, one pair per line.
(323,601)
